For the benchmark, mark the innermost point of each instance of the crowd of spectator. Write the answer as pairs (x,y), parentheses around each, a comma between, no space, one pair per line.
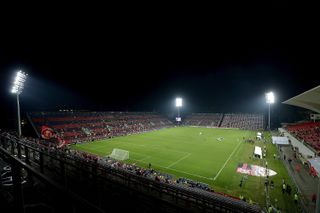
(243,121)
(87,126)
(84,158)
(204,119)
(193,184)
(309,132)
(229,120)
(107,162)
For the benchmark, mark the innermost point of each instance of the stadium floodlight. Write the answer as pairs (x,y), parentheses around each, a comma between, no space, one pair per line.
(178,105)
(270,97)
(17,89)
(270,100)
(178,102)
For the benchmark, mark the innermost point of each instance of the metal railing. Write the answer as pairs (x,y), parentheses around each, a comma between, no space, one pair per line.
(64,173)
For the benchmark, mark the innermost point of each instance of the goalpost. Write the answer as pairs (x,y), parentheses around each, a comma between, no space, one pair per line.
(119,154)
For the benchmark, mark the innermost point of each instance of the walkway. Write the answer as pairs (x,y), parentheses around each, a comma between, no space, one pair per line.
(306,183)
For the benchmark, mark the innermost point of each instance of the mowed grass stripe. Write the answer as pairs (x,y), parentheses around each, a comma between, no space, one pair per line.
(200,157)
(167,147)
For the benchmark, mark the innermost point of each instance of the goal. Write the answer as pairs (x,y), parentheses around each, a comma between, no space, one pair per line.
(120,154)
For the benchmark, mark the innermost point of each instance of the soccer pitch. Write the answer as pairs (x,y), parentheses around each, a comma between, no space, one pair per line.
(204,154)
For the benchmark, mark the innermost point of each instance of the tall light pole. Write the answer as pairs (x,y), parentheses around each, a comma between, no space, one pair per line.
(178,105)
(269,100)
(17,89)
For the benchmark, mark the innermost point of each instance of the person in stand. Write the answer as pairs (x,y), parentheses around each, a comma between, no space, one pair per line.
(296,198)
(284,187)
(250,201)
(288,189)
(298,168)
(241,197)
(314,198)
(270,209)
(271,184)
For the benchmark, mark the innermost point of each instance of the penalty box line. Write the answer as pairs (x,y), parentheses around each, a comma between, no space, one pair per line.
(176,170)
(156,147)
(225,163)
(174,163)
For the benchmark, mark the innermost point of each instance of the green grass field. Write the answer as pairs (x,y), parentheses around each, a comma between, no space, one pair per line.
(183,152)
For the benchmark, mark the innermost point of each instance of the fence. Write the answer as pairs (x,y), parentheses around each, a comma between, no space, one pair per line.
(85,185)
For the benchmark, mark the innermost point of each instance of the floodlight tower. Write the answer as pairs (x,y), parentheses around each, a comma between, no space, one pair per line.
(178,105)
(269,100)
(17,88)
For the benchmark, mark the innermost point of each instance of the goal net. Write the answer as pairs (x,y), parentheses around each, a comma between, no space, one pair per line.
(120,154)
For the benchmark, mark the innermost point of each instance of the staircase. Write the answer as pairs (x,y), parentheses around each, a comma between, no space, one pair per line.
(220,122)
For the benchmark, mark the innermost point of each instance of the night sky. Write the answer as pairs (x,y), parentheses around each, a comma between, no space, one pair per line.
(215,63)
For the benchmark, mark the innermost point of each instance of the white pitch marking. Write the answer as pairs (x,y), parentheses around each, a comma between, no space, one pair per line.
(143,159)
(227,161)
(176,170)
(174,163)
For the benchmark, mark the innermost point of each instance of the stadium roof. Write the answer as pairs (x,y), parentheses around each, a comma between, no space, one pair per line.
(309,100)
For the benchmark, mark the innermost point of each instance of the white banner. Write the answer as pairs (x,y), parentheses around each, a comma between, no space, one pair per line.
(280,140)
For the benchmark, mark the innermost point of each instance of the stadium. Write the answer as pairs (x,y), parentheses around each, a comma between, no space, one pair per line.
(123,119)
(203,162)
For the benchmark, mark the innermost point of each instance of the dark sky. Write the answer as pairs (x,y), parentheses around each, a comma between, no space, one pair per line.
(129,61)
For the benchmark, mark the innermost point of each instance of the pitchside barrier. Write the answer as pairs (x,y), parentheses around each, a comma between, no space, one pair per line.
(96,183)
